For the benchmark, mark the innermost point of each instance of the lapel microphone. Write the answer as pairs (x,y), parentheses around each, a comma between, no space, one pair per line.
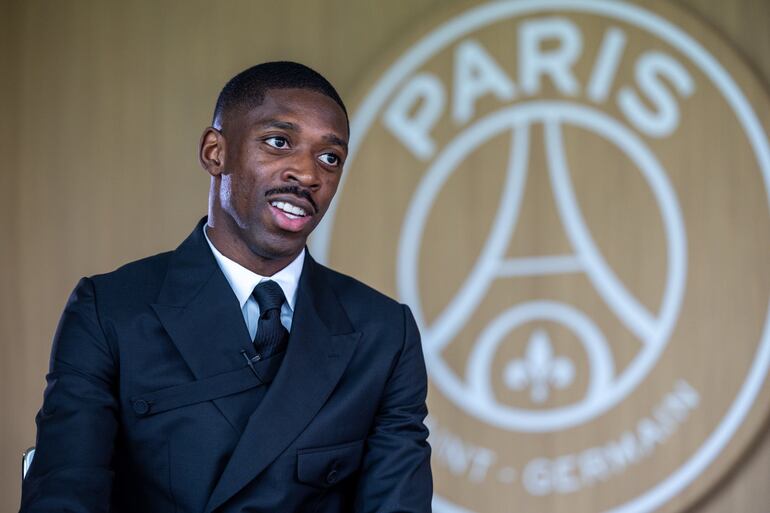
(250,361)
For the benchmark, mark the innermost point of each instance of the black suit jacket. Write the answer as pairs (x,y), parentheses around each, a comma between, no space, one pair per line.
(151,406)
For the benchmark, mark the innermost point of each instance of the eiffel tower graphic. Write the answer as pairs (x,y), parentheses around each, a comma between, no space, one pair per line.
(541,369)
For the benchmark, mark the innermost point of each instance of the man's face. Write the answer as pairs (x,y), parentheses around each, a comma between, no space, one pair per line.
(282,163)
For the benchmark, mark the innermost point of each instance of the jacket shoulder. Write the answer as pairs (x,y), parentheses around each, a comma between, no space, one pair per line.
(140,279)
(359,297)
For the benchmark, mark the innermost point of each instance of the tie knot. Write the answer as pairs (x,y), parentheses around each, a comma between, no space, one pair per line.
(269,296)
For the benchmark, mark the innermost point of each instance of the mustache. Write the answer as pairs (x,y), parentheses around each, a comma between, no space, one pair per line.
(296,191)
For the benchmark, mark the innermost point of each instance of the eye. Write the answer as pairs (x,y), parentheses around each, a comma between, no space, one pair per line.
(277,142)
(330,159)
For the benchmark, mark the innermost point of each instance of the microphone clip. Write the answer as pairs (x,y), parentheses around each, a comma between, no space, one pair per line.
(250,361)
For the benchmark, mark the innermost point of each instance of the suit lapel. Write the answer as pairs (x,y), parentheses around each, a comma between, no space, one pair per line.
(201,314)
(320,346)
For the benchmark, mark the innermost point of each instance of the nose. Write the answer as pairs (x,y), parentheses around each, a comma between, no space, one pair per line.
(303,171)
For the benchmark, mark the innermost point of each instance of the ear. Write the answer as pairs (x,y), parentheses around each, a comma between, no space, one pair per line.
(211,152)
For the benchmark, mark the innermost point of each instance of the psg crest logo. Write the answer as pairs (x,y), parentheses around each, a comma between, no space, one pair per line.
(571,196)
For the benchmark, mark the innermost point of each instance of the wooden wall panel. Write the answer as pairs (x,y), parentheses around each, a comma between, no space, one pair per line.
(741,23)
(102,105)
(12,393)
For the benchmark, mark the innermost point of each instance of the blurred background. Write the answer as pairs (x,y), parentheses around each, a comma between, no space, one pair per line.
(103,104)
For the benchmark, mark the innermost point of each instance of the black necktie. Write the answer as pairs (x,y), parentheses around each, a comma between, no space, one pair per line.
(271,336)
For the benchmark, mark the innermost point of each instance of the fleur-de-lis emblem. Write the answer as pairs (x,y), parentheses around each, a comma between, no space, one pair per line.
(539,369)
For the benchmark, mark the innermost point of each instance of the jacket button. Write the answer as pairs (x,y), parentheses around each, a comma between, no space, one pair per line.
(141,406)
(331,477)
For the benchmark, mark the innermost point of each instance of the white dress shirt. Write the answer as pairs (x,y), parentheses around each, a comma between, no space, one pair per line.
(243,281)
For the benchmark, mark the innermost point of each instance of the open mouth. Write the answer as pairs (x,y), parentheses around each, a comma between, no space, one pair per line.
(291,211)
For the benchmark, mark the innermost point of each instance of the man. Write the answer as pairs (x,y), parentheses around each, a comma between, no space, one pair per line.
(235,373)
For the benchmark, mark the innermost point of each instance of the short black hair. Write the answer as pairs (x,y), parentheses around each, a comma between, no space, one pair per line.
(247,88)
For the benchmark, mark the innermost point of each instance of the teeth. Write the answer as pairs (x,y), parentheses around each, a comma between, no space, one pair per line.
(291,211)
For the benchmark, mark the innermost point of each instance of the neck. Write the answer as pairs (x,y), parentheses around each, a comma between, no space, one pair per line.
(236,249)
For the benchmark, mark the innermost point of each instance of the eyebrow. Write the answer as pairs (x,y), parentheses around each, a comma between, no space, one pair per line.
(333,139)
(275,123)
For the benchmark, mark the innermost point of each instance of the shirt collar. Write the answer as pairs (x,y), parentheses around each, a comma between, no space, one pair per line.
(243,281)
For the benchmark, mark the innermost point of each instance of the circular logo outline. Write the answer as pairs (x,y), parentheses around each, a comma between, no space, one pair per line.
(483,15)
